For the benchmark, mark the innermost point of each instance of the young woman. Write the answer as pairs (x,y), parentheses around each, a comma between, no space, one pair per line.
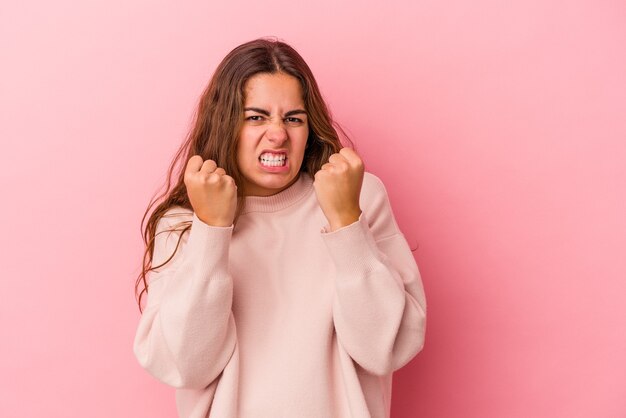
(280,284)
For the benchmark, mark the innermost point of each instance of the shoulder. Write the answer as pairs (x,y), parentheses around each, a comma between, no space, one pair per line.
(373,191)
(174,218)
(170,235)
(376,206)
(373,181)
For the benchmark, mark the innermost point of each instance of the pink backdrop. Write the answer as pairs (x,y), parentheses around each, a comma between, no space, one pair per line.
(499,129)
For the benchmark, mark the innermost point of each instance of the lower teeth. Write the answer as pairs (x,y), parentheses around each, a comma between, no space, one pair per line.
(269,164)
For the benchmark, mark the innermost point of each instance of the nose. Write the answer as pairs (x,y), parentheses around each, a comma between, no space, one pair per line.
(276,132)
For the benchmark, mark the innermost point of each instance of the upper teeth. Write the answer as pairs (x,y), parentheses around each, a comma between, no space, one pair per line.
(273,157)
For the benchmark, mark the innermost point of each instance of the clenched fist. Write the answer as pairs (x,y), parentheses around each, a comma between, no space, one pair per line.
(338,188)
(212,193)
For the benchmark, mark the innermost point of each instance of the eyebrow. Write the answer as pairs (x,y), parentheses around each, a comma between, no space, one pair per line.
(266,113)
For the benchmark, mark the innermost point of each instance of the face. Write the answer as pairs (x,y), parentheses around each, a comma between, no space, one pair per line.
(274,133)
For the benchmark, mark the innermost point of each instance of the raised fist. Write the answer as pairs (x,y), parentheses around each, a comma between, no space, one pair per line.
(212,193)
(338,188)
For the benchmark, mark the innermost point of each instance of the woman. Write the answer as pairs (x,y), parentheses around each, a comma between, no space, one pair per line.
(280,284)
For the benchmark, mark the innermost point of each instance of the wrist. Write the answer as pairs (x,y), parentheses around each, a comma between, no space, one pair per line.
(344,219)
(221,223)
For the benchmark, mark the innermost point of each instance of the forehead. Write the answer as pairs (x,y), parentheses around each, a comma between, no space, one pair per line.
(276,89)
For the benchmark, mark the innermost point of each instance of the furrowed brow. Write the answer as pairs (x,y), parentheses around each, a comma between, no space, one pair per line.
(258,110)
(266,113)
(295,112)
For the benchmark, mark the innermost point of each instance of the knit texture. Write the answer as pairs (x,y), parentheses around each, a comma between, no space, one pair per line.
(279,317)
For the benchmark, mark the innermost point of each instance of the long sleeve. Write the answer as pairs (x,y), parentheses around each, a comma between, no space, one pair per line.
(186,334)
(379,306)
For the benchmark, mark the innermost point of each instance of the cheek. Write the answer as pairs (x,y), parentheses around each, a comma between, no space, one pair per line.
(249,137)
(242,153)
(303,141)
(299,138)
(246,144)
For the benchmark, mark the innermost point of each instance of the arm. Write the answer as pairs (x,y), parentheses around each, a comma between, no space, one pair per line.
(186,334)
(379,308)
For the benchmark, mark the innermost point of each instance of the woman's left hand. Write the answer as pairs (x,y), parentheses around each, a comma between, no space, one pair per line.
(338,188)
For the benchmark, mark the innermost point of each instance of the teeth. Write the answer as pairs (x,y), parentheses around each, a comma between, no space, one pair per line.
(274,163)
(273,157)
(272,160)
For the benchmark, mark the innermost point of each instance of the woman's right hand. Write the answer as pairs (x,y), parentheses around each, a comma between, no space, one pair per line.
(212,193)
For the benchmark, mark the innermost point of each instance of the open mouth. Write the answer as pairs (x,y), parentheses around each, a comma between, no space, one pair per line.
(273,160)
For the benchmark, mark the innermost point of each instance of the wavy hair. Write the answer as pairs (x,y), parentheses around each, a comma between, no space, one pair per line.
(214,133)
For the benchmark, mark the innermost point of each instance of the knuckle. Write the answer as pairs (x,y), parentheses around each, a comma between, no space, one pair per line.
(229,179)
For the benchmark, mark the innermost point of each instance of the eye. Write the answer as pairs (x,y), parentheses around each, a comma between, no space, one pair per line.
(293,120)
(254,118)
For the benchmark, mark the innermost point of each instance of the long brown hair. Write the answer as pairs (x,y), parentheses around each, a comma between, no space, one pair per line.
(215,132)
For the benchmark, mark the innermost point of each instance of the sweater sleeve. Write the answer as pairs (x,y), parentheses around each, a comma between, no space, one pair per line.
(379,307)
(186,334)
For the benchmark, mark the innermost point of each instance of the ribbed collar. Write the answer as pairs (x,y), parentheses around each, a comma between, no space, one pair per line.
(302,187)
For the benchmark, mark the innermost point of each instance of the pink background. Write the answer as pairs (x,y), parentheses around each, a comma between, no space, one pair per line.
(498,128)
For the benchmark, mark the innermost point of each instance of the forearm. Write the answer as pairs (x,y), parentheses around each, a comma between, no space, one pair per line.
(187,332)
(379,320)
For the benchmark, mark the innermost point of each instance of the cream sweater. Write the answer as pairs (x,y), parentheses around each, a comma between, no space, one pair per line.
(278,317)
